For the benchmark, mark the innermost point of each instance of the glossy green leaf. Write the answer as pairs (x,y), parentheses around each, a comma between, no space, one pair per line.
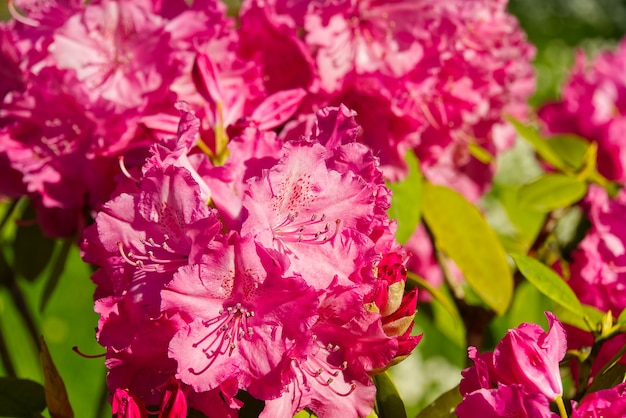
(551,191)
(56,394)
(461,232)
(549,283)
(21,398)
(406,200)
(444,406)
(437,294)
(572,149)
(480,153)
(588,321)
(539,143)
(388,401)
(621,319)
(610,378)
(32,249)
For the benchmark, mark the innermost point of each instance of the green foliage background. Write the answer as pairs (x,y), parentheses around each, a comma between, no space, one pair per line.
(556,27)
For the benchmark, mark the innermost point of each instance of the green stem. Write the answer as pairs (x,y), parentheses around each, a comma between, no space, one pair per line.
(611,363)
(5,357)
(8,214)
(55,272)
(561,406)
(22,307)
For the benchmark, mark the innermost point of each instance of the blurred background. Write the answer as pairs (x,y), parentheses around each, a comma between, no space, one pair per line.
(556,27)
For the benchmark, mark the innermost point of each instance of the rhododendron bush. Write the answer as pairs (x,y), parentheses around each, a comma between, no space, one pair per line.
(306,208)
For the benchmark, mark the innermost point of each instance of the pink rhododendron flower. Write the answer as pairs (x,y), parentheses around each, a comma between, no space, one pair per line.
(527,357)
(597,271)
(505,401)
(118,50)
(264,300)
(242,319)
(606,403)
(593,107)
(435,78)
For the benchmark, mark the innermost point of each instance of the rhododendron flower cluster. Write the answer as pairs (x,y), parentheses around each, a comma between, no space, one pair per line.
(520,378)
(85,85)
(286,282)
(593,107)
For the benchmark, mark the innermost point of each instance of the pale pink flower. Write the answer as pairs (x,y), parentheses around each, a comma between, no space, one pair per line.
(243,316)
(119,50)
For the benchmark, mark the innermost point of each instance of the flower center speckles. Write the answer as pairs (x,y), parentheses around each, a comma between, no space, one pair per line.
(225,332)
(310,230)
(326,374)
(157,257)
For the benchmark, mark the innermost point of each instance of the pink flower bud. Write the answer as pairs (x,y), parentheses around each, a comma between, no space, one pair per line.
(124,405)
(529,356)
(174,403)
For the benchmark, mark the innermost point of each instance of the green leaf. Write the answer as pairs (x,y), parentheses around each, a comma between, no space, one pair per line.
(32,249)
(21,398)
(305,413)
(572,149)
(55,273)
(549,283)
(532,136)
(621,319)
(551,191)
(588,321)
(388,401)
(461,232)
(480,153)
(437,294)
(444,406)
(406,199)
(56,394)
(610,378)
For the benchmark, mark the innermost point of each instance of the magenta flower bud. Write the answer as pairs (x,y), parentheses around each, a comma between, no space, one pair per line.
(124,405)
(529,356)
(174,402)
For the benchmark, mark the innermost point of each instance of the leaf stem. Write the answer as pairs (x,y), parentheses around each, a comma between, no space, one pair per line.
(5,356)
(561,406)
(55,273)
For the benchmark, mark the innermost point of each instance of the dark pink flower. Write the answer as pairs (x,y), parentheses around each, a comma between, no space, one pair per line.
(505,401)
(529,356)
(607,403)
(597,273)
(124,405)
(174,402)
(526,360)
(592,106)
